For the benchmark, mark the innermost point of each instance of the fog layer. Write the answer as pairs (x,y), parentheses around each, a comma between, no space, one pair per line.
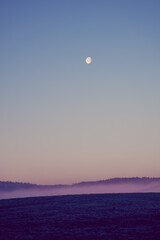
(110,188)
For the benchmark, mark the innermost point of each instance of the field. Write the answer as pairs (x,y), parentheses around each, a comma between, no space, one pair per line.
(81,217)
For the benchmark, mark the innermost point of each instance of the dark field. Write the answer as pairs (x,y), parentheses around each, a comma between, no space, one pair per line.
(81,217)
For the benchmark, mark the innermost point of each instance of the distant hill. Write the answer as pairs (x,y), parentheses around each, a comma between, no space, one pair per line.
(133,180)
(13,186)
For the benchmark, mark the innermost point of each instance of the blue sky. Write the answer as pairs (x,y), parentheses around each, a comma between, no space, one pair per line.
(66,121)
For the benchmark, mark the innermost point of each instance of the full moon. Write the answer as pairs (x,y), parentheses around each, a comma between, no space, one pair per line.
(88,60)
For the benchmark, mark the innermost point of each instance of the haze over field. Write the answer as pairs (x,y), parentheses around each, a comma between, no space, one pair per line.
(115,185)
(63,120)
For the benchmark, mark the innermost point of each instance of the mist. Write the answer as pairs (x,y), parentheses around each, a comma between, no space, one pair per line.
(71,190)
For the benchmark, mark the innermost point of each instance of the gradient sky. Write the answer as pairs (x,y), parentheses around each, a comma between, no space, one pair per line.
(63,120)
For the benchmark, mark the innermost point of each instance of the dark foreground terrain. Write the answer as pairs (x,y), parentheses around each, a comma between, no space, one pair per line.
(82,217)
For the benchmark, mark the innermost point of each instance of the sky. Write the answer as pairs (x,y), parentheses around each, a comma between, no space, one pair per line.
(65,121)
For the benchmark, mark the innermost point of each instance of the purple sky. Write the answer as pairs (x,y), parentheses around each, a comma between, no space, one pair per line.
(63,120)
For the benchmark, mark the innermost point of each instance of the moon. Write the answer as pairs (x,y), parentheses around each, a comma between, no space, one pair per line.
(88,60)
